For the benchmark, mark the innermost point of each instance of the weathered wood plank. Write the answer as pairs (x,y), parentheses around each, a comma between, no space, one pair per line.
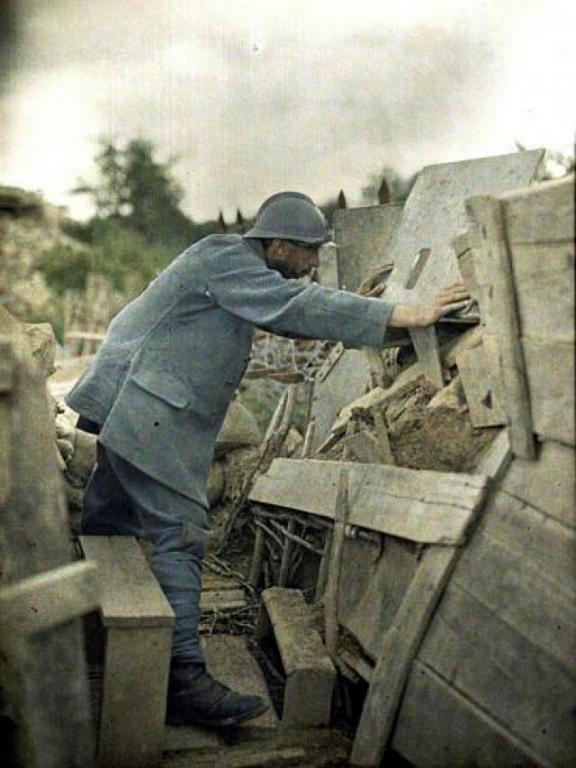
(521,593)
(216,600)
(550,368)
(41,602)
(486,212)
(546,305)
(438,727)
(485,659)
(434,214)
(310,674)
(136,670)
(427,351)
(362,235)
(542,213)
(424,506)
(399,646)
(548,483)
(373,582)
(131,595)
(534,536)
(479,370)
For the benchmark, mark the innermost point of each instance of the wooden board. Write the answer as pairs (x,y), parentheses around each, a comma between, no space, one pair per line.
(131,595)
(434,214)
(347,381)
(522,687)
(420,505)
(42,602)
(136,670)
(547,484)
(362,235)
(478,369)
(373,582)
(550,370)
(540,214)
(399,646)
(439,727)
(522,593)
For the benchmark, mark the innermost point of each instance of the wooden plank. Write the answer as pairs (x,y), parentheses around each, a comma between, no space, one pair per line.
(434,214)
(222,600)
(440,727)
(341,515)
(347,381)
(427,351)
(550,369)
(534,536)
(546,305)
(362,235)
(230,661)
(310,674)
(42,602)
(373,582)
(478,370)
(399,646)
(425,506)
(502,673)
(131,595)
(136,670)
(539,214)
(495,460)
(487,214)
(521,593)
(547,484)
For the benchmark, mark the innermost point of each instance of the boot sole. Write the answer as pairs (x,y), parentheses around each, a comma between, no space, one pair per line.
(224,722)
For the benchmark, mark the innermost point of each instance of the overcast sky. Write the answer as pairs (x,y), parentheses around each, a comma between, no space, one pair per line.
(255,96)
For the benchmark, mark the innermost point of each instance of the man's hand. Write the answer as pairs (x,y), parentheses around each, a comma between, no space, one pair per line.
(453,297)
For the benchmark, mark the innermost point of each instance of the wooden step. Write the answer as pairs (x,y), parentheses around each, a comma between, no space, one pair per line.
(138,622)
(310,674)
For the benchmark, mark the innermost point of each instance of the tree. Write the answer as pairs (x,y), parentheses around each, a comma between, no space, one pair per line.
(139,191)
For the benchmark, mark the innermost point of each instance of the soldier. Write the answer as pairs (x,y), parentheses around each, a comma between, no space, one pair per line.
(159,388)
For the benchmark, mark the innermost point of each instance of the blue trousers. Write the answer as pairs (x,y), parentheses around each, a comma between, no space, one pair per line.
(121,500)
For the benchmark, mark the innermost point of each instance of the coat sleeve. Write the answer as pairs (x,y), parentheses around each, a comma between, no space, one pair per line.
(246,287)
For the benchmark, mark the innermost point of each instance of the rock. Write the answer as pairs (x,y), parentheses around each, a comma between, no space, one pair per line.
(239,429)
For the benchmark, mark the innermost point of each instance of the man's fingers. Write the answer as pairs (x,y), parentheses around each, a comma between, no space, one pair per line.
(453,306)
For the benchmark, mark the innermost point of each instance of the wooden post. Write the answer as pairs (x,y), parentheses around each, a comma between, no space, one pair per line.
(338,537)
(286,555)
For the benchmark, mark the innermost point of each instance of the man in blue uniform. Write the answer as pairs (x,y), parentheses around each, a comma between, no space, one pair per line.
(160,386)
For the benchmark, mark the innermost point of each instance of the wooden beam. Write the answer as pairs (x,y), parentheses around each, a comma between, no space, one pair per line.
(399,647)
(427,351)
(42,602)
(419,505)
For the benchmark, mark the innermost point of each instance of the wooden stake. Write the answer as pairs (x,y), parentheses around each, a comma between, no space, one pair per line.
(338,538)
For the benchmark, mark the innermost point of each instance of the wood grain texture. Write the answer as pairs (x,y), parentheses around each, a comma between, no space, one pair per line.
(131,595)
(310,674)
(478,368)
(540,214)
(439,727)
(362,235)
(134,699)
(399,646)
(486,212)
(420,505)
(427,351)
(547,484)
(42,602)
(522,687)
(434,215)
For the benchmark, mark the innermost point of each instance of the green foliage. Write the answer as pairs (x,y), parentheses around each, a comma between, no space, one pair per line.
(114,251)
(398,185)
(139,191)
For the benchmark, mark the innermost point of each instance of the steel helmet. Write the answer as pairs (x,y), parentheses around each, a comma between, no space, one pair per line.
(290,216)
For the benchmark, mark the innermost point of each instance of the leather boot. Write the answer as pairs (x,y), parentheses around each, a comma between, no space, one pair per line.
(196,698)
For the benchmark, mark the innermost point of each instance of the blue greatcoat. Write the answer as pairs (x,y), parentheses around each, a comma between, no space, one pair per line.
(163,379)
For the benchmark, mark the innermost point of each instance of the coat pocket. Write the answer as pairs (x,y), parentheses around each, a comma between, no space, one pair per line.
(164,386)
